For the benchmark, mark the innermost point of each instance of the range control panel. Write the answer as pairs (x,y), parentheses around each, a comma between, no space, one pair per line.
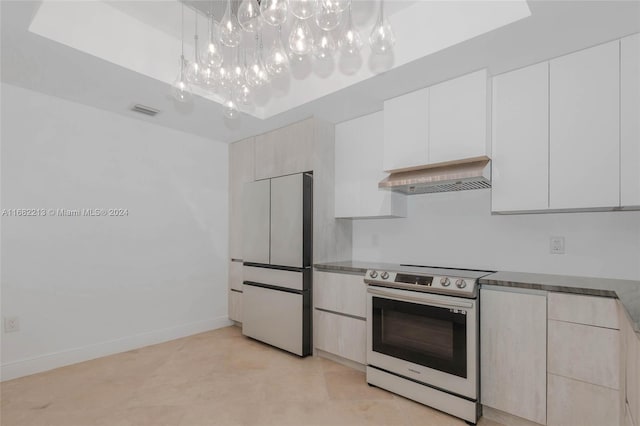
(465,287)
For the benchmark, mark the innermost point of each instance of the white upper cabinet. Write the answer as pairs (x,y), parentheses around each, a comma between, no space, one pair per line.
(285,151)
(584,170)
(630,121)
(406,130)
(520,148)
(458,118)
(358,169)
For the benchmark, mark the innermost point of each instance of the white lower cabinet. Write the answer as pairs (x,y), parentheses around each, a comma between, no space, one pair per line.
(341,335)
(585,366)
(576,403)
(235,305)
(513,353)
(340,301)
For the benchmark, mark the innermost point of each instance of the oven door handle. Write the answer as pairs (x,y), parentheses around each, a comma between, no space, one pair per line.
(423,300)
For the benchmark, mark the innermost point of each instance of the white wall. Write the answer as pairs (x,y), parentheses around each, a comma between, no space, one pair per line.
(457,229)
(87,286)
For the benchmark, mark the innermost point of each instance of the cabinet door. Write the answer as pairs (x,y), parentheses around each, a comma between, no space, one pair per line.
(406,130)
(584,169)
(348,152)
(235,275)
(358,169)
(256,209)
(631,367)
(240,172)
(341,335)
(458,118)
(285,151)
(342,293)
(514,380)
(520,148)
(572,402)
(235,305)
(585,353)
(630,121)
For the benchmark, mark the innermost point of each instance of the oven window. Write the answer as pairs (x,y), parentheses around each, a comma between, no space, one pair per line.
(431,336)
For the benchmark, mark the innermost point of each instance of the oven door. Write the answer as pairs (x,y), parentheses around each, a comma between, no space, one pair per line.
(425,337)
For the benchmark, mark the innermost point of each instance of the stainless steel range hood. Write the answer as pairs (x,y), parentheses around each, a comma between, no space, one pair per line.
(459,175)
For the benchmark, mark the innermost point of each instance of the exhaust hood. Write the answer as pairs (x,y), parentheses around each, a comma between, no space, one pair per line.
(459,175)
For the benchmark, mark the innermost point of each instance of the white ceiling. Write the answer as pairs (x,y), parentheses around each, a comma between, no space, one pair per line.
(53,67)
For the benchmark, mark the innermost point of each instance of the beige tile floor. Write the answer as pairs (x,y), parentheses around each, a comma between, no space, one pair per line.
(214,378)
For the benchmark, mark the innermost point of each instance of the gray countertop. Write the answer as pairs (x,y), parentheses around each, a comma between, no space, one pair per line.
(627,291)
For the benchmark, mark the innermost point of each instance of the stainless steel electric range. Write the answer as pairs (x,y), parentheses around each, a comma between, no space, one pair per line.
(422,340)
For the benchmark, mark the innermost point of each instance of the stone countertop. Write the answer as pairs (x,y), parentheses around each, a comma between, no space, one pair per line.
(352,266)
(627,291)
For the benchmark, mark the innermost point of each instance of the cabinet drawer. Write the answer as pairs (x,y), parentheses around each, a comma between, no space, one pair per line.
(235,275)
(341,335)
(572,403)
(277,277)
(344,293)
(590,310)
(582,352)
(235,305)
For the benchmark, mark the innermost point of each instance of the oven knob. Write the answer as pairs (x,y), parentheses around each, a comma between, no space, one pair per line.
(444,282)
(373,274)
(461,283)
(384,275)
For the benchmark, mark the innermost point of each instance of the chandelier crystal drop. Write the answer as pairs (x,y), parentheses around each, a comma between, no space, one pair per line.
(181,87)
(301,38)
(350,41)
(181,90)
(249,16)
(382,38)
(230,30)
(231,109)
(327,19)
(324,46)
(274,12)
(298,33)
(212,54)
(256,73)
(302,9)
(277,61)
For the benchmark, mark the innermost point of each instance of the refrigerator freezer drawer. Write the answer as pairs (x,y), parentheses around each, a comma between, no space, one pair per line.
(294,280)
(277,317)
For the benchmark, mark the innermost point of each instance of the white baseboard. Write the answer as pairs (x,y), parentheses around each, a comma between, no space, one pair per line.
(25,367)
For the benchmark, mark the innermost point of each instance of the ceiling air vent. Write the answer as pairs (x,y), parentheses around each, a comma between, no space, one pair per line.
(143,109)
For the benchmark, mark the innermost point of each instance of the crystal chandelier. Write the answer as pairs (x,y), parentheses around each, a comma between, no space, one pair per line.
(235,61)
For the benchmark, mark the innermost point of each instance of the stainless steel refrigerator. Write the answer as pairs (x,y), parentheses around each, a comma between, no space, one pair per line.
(277,219)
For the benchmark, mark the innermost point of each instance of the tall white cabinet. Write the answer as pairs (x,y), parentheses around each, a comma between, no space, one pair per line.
(630,120)
(520,151)
(358,169)
(241,171)
(585,128)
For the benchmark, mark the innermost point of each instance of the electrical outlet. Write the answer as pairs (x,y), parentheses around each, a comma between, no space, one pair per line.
(556,245)
(11,324)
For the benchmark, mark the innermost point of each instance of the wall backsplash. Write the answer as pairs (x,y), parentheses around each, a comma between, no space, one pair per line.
(458,230)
